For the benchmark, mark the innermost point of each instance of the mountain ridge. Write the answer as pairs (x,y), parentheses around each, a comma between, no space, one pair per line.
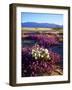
(40,25)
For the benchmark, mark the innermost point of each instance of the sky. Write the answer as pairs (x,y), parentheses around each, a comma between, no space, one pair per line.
(42,18)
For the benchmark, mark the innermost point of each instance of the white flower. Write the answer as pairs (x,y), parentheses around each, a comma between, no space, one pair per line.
(42,56)
(37,48)
(39,54)
(48,56)
(46,51)
(41,49)
(33,51)
(35,54)
(35,57)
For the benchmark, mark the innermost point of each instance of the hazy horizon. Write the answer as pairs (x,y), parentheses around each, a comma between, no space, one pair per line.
(42,18)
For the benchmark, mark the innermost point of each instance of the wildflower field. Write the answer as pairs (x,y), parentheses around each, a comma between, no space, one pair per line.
(42,53)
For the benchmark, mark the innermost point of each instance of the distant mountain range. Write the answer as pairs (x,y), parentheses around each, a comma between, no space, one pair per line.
(40,25)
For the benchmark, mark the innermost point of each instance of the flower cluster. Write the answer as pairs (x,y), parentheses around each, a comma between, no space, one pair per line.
(40,53)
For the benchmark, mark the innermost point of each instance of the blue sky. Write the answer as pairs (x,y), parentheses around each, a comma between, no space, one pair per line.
(42,18)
